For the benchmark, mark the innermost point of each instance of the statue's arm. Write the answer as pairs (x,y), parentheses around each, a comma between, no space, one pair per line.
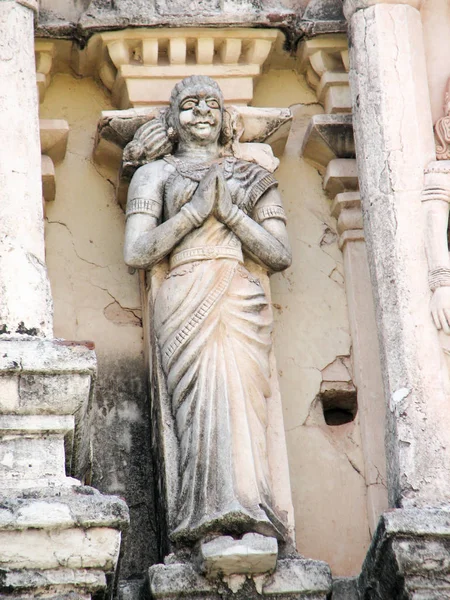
(265,237)
(147,239)
(436,245)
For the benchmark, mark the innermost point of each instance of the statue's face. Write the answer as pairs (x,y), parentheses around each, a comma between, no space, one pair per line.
(199,116)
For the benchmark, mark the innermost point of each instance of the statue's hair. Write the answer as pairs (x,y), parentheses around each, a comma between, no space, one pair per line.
(157,137)
(197,81)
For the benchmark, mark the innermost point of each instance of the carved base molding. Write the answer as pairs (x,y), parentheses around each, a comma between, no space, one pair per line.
(293,578)
(61,542)
(409,557)
(58,538)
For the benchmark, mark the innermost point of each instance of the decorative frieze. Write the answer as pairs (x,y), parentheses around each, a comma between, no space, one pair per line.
(141,66)
(324,60)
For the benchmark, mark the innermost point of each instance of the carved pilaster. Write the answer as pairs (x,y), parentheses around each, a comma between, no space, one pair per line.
(341,179)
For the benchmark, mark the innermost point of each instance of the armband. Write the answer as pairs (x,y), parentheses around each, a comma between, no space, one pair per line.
(270,212)
(143,206)
(439,277)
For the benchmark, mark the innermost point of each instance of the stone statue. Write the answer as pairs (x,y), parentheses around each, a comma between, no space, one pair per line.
(436,199)
(207,212)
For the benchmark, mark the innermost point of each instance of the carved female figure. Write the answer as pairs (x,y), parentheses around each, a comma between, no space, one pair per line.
(205,210)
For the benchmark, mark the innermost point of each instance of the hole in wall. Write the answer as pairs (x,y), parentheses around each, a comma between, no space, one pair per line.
(339,406)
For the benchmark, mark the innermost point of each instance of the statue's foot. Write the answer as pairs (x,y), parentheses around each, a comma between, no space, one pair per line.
(252,554)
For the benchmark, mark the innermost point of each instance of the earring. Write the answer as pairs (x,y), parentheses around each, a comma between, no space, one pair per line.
(172,134)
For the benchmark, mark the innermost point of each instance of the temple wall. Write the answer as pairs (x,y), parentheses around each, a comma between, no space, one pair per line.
(96,298)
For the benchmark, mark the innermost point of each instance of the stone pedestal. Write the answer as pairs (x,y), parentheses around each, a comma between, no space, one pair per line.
(56,536)
(409,557)
(60,543)
(293,578)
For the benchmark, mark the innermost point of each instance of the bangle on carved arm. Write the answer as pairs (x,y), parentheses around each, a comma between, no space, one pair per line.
(192,215)
(235,216)
(439,277)
(144,206)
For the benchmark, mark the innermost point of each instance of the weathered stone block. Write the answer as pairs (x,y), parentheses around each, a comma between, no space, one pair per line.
(44,376)
(328,137)
(253,553)
(409,557)
(55,542)
(293,579)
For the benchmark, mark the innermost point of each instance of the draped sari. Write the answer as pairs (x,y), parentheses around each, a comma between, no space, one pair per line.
(213,325)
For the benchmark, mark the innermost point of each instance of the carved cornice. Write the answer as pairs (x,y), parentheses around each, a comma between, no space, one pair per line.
(141,66)
(352,6)
(324,60)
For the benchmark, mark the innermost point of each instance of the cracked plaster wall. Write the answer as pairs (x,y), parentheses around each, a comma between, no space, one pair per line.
(95,298)
(311,330)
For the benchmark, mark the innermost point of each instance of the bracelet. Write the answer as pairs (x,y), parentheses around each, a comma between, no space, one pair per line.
(236,215)
(189,211)
(439,277)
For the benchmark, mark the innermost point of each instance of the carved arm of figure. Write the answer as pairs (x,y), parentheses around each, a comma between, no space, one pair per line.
(147,240)
(267,242)
(436,198)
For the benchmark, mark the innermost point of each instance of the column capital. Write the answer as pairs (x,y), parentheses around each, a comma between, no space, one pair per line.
(351,6)
(33,4)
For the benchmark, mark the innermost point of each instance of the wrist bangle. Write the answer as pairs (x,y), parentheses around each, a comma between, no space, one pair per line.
(439,277)
(236,215)
(192,215)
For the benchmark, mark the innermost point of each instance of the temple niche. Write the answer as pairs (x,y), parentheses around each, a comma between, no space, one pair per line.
(96,297)
(228,360)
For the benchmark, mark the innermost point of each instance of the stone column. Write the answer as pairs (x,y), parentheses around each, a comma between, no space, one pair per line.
(394,143)
(25,298)
(57,538)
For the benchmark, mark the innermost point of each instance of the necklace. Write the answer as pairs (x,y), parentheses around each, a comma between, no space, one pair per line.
(197,170)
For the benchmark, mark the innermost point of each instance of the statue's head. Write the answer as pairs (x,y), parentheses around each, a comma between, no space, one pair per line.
(196,110)
(196,116)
